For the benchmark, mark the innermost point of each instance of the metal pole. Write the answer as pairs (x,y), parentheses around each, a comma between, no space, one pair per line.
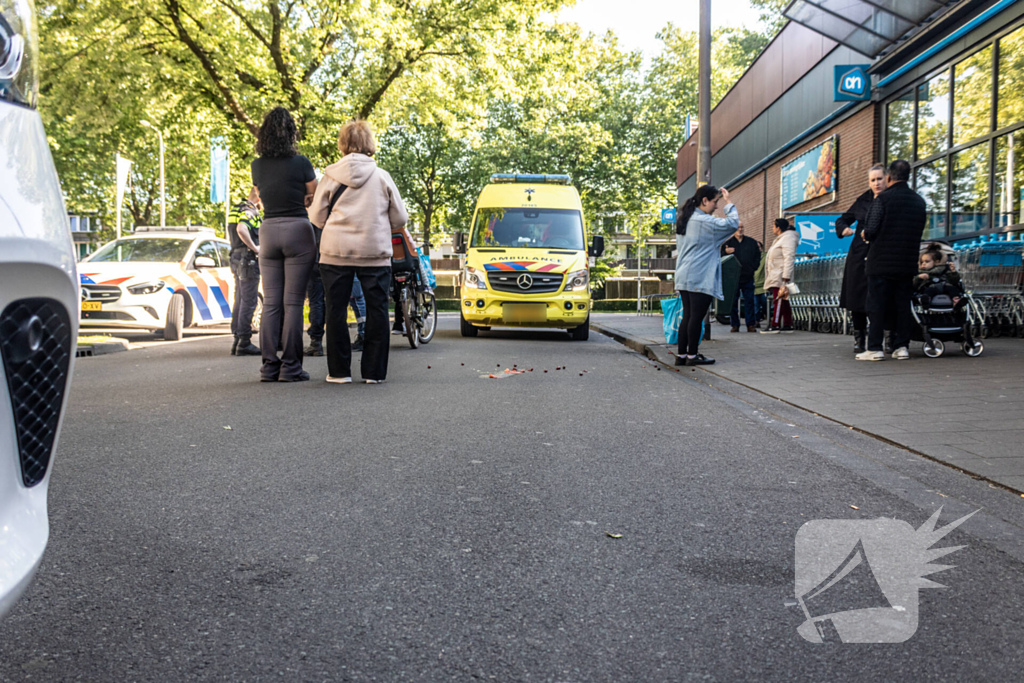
(163,196)
(704,111)
(227,193)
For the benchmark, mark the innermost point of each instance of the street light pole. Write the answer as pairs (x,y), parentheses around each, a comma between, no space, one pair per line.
(704,109)
(163,196)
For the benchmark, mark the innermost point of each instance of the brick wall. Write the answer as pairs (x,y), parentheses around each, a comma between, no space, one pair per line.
(757,198)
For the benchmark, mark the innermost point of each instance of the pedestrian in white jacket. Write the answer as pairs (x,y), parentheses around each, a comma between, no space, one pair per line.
(778,272)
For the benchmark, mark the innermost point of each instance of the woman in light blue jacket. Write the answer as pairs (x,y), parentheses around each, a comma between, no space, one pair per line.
(699,236)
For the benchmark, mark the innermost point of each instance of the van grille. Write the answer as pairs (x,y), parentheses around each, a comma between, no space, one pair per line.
(542,283)
(37,375)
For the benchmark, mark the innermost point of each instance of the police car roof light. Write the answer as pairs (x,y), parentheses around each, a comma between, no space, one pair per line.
(173,228)
(549,178)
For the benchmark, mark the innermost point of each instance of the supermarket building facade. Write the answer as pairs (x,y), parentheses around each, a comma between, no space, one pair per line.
(945,93)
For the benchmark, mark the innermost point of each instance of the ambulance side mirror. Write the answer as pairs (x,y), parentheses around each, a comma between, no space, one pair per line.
(459,243)
(597,246)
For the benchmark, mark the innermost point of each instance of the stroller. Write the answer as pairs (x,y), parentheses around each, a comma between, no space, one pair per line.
(938,318)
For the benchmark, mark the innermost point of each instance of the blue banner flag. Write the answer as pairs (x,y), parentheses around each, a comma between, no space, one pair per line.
(218,170)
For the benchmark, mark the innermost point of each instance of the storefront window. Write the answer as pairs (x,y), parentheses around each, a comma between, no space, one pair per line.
(899,121)
(972,97)
(1011,79)
(968,197)
(1009,188)
(931,184)
(933,116)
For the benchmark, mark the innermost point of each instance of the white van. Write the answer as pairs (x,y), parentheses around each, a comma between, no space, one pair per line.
(39,300)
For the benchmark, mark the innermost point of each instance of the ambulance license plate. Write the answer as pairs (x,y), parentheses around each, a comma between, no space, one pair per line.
(524,313)
(91,306)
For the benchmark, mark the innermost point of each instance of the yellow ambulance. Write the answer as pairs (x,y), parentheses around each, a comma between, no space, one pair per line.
(527,259)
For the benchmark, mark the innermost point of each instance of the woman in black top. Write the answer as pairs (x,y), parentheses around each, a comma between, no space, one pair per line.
(854,294)
(286,183)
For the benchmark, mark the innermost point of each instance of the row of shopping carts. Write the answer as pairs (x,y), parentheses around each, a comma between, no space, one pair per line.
(992,271)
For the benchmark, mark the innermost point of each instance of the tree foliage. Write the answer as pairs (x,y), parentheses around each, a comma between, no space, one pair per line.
(457,89)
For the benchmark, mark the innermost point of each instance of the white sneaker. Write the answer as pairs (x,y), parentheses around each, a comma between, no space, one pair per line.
(870,355)
(339,380)
(901,353)
(374,381)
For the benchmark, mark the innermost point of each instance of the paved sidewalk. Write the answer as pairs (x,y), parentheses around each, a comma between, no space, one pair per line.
(967,412)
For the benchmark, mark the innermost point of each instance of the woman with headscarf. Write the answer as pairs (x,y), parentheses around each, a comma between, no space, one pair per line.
(778,272)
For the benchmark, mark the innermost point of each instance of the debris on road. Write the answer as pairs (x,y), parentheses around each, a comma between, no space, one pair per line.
(611,535)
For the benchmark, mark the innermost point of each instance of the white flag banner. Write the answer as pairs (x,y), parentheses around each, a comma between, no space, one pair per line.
(124,167)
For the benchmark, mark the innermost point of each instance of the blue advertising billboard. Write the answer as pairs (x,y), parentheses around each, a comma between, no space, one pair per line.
(812,174)
(818,234)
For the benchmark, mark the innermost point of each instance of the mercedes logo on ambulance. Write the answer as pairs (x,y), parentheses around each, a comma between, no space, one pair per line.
(524,281)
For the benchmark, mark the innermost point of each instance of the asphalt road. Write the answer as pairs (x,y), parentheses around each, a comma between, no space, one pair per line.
(449,526)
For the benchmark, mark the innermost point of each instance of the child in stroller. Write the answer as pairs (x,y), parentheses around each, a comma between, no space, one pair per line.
(941,306)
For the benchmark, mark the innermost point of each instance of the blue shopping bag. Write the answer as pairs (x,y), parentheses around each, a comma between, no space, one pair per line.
(425,260)
(673,310)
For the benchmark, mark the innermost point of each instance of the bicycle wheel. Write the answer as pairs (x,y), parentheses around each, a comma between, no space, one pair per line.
(412,332)
(427,317)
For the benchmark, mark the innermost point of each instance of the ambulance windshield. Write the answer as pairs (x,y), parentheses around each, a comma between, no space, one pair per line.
(529,228)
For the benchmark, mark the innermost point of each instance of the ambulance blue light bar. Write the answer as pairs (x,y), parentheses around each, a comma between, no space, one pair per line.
(549,178)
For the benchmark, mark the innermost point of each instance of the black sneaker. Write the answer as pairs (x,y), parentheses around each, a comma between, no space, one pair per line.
(234,346)
(315,348)
(357,345)
(770,330)
(247,348)
(700,359)
(680,360)
(399,328)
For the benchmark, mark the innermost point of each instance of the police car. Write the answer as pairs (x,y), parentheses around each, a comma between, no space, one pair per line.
(162,279)
(38,300)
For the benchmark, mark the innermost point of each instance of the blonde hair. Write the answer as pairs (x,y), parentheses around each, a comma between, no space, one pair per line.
(356,137)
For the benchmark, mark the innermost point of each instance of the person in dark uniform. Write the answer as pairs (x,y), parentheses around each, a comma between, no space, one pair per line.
(748,253)
(315,295)
(244,233)
(854,293)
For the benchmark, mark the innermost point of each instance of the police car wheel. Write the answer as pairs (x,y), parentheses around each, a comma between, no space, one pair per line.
(175,326)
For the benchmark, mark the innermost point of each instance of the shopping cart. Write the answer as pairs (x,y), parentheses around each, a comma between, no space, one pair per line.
(992,275)
(816,307)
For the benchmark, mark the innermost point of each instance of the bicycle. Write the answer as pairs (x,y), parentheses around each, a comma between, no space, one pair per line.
(417,306)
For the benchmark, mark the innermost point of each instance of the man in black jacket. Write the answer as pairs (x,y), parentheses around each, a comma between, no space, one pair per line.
(748,254)
(895,223)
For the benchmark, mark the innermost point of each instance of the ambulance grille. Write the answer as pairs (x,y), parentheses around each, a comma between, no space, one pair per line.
(542,283)
(35,345)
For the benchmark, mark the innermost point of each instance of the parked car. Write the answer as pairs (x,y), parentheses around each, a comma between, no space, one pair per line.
(162,279)
(38,303)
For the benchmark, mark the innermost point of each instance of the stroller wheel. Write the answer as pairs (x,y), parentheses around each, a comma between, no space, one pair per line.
(934,348)
(985,331)
(973,350)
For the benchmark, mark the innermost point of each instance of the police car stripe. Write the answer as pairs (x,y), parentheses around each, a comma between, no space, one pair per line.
(200,303)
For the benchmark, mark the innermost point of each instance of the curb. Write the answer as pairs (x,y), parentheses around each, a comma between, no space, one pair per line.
(650,351)
(115,345)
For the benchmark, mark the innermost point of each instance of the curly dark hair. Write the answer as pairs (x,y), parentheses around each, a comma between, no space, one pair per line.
(277,134)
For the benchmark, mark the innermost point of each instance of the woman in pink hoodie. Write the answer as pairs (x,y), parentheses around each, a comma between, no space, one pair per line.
(357,242)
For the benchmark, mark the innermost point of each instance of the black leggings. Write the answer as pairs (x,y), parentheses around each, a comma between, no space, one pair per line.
(860,321)
(287,253)
(695,307)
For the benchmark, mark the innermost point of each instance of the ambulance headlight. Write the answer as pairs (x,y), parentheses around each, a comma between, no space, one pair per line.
(146,288)
(474,278)
(576,281)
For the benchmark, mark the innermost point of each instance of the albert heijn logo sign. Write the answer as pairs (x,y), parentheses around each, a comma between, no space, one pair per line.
(852,83)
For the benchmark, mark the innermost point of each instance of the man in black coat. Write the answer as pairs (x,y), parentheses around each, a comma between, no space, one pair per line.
(893,232)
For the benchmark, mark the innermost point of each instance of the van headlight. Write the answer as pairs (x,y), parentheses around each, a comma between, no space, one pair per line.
(18,53)
(146,288)
(474,278)
(578,280)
